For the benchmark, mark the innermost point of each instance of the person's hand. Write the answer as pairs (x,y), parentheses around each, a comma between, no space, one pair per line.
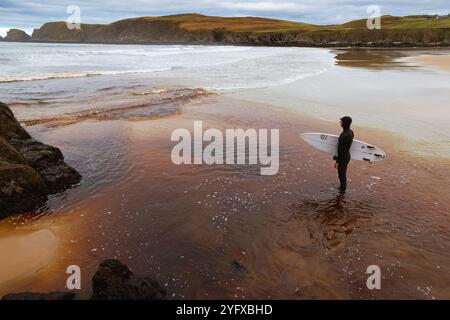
(336,165)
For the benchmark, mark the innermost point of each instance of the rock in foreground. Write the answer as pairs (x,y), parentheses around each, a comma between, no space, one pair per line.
(114,281)
(29,169)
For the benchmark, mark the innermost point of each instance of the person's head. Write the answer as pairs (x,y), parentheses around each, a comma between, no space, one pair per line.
(346,122)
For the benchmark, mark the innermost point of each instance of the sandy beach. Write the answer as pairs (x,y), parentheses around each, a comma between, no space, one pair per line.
(224,231)
(27,252)
(435,62)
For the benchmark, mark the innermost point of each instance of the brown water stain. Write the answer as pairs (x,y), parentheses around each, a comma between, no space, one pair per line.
(226,232)
(162,103)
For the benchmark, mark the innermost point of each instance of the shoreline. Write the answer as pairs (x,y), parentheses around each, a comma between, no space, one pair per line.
(440,63)
(353,87)
(211,234)
(213,44)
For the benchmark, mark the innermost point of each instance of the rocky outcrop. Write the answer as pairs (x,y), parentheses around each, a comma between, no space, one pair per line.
(199,29)
(114,281)
(121,32)
(29,169)
(17,35)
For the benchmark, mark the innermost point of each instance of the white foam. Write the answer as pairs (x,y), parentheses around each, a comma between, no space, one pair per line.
(75,74)
(212,67)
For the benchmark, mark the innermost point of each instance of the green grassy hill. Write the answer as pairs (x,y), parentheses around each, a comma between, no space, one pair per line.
(197,22)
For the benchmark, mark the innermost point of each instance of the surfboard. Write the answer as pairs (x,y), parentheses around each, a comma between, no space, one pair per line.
(359,150)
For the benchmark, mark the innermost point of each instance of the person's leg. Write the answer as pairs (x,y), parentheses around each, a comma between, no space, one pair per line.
(342,173)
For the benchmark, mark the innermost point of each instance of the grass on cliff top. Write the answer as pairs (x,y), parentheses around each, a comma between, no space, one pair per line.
(197,22)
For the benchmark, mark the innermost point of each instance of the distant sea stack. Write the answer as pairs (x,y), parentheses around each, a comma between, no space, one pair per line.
(29,170)
(17,35)
(409,31)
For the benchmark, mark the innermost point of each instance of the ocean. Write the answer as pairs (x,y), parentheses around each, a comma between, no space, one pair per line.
(211,67)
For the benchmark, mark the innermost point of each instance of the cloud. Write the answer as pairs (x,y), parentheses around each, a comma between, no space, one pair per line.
(27,14)
(264,6)
(3,31)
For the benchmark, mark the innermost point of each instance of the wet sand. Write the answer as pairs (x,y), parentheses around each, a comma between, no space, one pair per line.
(226,232)
(25,253)
(434,62)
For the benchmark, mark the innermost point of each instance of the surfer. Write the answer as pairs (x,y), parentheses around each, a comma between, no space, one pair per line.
(343,157)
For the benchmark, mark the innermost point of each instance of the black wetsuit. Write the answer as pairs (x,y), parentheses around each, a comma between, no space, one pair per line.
(343,157)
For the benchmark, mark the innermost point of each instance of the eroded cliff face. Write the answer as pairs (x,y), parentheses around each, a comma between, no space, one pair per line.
(29,169)
(340,38)
(122,32)
(16,35)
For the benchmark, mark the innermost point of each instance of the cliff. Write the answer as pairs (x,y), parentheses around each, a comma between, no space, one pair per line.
(200,29)
(29,170)
(16,35)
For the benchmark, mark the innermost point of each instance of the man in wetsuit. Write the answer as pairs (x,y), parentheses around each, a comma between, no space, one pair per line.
(343,157)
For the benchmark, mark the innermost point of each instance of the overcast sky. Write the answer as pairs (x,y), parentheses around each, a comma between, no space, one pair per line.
(29,14)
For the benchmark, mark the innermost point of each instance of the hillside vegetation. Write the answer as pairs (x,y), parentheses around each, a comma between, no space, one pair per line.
(201,29)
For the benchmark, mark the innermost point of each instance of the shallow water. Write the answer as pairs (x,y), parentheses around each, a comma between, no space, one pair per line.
(226,231)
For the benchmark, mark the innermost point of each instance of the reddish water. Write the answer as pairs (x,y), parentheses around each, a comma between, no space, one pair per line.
(227,232)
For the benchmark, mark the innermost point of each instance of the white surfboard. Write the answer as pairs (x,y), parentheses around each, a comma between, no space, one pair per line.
(329,143)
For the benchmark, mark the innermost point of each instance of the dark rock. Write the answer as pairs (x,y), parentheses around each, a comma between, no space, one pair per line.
(114,281)
(49,162)
(10,128)
(21,188)
(29,170)
(40,296)
(17,35)
(238,266)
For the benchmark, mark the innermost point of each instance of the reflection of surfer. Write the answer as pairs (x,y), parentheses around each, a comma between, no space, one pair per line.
(343,157)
